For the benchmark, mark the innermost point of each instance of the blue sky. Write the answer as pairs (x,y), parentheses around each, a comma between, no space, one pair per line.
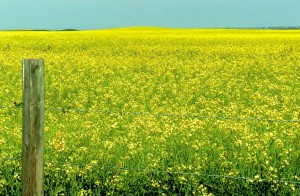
(99,14)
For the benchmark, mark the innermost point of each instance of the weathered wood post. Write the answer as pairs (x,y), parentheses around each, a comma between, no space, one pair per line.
(33,127)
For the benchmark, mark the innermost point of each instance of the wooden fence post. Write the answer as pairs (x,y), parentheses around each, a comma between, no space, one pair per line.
(33,127)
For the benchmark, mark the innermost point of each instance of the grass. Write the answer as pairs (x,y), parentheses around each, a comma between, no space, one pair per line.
(242,74)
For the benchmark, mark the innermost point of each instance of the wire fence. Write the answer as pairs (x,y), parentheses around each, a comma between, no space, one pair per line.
(9,107)
(168,172)
(191,116)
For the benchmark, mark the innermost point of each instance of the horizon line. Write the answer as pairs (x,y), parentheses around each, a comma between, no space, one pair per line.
(161,27)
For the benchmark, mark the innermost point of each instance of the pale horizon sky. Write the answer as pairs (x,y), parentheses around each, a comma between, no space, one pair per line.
(101,14)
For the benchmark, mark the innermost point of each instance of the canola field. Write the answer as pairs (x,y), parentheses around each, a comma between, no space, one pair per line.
(146,111)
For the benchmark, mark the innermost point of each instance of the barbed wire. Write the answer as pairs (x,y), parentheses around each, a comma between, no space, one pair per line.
(192,116)
(165,115)
(10,107)
(10,159)
(175,115)
(163,171)
(178,172)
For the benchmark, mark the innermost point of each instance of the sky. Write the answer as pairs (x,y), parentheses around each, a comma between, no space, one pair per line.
(101,14)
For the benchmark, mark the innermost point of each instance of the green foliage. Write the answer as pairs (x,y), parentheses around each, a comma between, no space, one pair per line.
(112,74)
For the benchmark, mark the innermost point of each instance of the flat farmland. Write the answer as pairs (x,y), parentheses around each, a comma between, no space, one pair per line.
(154,111)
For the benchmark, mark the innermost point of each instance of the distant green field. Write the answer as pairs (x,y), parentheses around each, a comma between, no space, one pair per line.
(158,111)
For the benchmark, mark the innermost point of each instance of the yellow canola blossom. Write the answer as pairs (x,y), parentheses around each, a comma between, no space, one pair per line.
(204,101)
